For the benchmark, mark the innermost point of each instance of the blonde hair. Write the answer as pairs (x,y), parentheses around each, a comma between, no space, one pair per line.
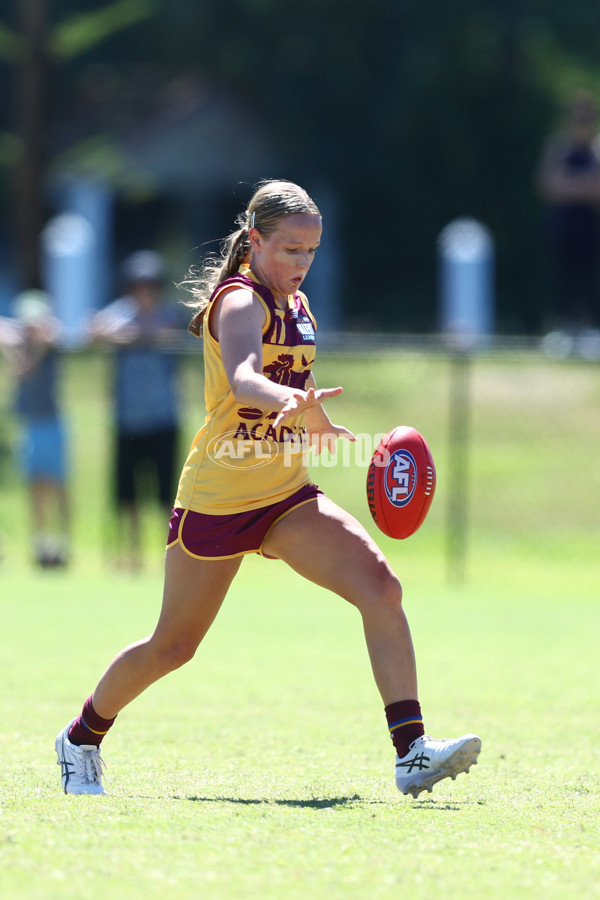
(272,201)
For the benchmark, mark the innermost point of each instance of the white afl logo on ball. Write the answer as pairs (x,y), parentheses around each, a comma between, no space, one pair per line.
(400,477)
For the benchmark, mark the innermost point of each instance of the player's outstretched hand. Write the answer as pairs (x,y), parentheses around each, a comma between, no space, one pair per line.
(326,438)
(300,401)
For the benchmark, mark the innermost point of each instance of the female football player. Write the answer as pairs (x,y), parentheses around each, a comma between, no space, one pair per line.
(245,488)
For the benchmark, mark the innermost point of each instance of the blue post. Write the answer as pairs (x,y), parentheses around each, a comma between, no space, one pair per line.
(76,254)
(466,270)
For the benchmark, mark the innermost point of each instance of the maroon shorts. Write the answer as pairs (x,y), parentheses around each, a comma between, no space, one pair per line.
(221,537)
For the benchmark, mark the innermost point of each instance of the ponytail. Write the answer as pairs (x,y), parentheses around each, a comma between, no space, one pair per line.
(234,251)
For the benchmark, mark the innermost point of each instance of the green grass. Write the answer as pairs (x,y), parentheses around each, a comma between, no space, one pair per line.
(263,768)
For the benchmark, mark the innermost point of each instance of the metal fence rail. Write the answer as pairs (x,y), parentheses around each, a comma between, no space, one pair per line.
(515,437)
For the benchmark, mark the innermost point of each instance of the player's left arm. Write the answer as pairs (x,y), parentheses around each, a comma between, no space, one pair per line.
(322,433)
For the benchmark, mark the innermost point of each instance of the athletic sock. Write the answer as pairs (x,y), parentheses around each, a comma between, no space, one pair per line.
(405,724)
(89,727)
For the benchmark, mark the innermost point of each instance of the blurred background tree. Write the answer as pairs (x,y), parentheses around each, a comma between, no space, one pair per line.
(411,114)
(33,49)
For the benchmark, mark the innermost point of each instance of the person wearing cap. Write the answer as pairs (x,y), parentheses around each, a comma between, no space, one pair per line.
(140,327)
(30,340)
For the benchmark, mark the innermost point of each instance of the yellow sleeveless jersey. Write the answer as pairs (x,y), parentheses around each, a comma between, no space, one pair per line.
(239,460)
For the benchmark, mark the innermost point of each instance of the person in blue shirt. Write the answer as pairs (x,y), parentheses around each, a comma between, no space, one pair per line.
(140,326)
(30,341)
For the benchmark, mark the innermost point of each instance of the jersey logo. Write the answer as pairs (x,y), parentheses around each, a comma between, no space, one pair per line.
(281,372)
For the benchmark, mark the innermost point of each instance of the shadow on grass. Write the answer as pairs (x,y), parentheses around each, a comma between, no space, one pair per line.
(448,806)
(332,802)
(314,803)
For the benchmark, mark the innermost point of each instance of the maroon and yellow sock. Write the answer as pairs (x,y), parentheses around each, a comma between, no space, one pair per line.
(405,724)
(89,727)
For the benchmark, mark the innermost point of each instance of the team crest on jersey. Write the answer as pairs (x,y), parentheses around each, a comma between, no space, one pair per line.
(281,371)
(400,477)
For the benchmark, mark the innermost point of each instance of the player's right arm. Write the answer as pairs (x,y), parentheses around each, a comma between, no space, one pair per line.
(237,323)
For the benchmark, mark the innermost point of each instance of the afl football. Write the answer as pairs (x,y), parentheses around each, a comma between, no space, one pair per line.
(401,482)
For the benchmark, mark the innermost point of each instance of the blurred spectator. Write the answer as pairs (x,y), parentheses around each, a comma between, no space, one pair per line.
(142,327)
(569,182)
(30,341)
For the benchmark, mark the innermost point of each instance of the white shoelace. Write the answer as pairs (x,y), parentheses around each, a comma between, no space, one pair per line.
(94,764)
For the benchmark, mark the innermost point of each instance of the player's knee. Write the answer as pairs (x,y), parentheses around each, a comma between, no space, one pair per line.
(176,654)
(382,592)
(390,592)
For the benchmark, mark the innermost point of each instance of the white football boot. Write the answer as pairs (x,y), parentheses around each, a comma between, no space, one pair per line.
(429,760)
(81,767)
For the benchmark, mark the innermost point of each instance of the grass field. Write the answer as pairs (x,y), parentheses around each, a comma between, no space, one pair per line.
(263,768)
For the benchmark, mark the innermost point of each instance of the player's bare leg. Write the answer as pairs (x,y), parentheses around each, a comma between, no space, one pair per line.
(330,547)
(193,593)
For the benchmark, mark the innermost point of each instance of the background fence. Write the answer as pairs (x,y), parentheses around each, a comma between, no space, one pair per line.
(514,434)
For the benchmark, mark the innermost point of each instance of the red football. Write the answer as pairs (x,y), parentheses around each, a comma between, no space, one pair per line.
(401,482)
